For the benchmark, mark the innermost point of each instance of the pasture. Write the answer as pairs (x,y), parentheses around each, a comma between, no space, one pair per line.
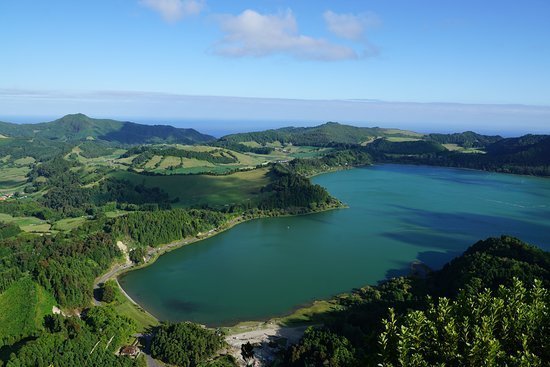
(27,224)
(195,190)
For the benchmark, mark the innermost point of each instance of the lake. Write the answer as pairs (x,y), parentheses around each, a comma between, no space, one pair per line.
(397,214)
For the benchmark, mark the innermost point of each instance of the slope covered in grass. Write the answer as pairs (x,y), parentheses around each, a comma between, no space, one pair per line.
(23,307)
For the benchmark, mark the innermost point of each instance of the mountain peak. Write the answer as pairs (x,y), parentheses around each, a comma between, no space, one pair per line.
(78,126)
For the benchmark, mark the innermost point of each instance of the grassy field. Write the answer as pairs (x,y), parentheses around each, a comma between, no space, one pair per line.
(398,139)
(458,148)
(404,132)
(125,307)
(192,190)
(23,307)
(27,224)
(153,162)
(68,224)
(12,178)
(312,314)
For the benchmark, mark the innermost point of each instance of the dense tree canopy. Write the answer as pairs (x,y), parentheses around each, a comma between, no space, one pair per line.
(498,316)
(71,342)
(162,227)
(185,344)
(321,347)
(510,327)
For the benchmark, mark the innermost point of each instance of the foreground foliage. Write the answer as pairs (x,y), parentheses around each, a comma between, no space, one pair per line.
(321,347)
(23,307)
(510,327)
(71,342)
(185,344)
(496,307)
(162,227)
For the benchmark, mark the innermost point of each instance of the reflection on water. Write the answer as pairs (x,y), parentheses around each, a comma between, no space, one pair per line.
(397,214)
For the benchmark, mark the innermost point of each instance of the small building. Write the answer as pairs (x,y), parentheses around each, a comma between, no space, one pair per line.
(129,350)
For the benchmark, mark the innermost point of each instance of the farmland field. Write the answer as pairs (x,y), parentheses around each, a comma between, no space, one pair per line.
(193,190)
(27,224)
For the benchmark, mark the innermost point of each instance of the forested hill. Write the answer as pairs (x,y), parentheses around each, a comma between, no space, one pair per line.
(529,154)
(322,135)
(81,127)
(467,139)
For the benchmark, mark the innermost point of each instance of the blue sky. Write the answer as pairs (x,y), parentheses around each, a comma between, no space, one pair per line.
(60,56)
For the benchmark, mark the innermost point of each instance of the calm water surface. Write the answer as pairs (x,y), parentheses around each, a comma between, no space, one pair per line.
(397,214)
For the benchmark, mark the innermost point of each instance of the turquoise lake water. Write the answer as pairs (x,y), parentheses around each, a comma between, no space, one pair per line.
(397,214)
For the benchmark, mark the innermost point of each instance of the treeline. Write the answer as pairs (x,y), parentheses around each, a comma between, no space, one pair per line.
(162,227)
(242,148)
(96,148)
(528,155)
(522,165)
(383,146)
(8,230)
(467,139)
(65,265)
(490,318)
(318,136)
(126,192)
(74,342)
(337,159)
(39,149)
(146,153)
(28,208)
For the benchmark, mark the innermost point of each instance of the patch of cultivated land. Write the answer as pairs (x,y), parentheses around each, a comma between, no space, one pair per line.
(153,162)
(68,224)
(191,190)
(13,177)
(458,148)
(398,139)
(170,162)
(27,224)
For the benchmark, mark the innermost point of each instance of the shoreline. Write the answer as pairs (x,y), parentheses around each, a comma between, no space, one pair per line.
(156,253)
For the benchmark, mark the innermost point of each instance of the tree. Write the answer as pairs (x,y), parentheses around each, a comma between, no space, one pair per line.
(185,344)
(322,347)
(506,328)
(108,291)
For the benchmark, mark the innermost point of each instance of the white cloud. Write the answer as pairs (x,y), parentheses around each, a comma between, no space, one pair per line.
(353,27)
(174,10)
(253,34)
(350,26)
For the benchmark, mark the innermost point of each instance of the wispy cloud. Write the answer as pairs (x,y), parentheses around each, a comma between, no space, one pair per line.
(174,10)
(353,27)
(253,34)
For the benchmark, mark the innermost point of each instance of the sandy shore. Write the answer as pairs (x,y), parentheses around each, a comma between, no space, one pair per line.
(268,339)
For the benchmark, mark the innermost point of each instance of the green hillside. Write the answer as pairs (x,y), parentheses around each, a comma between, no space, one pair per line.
(81,127)
(467,139)
(23,307)
(322,135)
